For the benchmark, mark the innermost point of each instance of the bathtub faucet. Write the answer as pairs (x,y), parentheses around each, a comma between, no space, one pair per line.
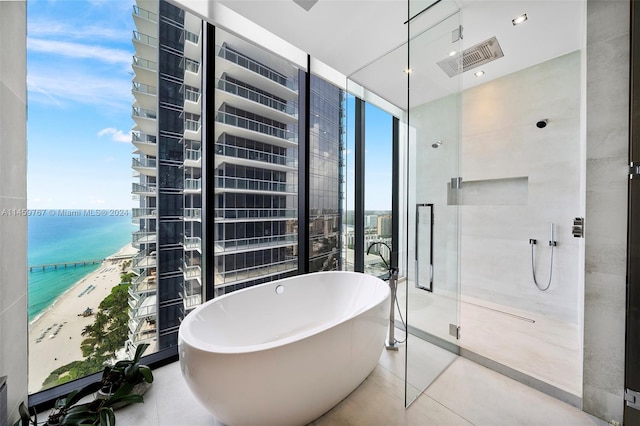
(391,343)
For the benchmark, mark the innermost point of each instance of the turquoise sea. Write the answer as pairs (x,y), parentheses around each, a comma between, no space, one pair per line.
(54,239)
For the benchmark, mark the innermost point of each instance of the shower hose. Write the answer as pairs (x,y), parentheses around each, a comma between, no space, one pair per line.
(533,269)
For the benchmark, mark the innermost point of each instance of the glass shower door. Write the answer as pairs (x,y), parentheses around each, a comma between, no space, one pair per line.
(432,288)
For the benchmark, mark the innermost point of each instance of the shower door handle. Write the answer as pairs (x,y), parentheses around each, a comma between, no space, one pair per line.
(429,214)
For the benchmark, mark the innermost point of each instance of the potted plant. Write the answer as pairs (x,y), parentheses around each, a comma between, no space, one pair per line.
(69,411)
(121,384)
(99,411)
(126,374)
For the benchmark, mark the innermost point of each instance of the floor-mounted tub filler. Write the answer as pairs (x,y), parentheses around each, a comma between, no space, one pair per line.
(285,352)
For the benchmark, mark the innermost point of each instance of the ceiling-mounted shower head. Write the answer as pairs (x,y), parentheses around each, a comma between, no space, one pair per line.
(436,145)
(542,123)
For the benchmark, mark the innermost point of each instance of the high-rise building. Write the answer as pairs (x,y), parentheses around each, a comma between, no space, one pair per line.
(206,99)
(256,165)
(167,135)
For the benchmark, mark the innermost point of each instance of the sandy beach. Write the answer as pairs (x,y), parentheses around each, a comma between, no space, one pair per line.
(55,336)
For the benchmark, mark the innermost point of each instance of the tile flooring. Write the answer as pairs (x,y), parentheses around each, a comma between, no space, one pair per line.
(464,393)
(539,347)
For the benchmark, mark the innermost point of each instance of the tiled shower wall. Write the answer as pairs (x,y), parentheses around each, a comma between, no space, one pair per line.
(13,198)
(606,207)
(517,180)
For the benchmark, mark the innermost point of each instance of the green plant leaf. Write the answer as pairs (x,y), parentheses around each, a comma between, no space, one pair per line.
(130,399)
(122,363)
(146,373)
(25,417)
(78,394)
(107,417)
(139,351)
(78,415)
(131,373)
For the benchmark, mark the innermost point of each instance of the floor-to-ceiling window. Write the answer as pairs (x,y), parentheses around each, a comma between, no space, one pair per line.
(256,151)
(378,168)
(79,186)
(326,146)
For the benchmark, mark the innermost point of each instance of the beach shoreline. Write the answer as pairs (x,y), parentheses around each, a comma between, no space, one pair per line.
(55,333)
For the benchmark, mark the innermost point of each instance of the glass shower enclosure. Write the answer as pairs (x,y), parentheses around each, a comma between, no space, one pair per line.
(422,80)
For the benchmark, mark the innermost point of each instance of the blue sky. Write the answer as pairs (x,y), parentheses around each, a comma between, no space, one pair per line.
(79,103)
(378,157)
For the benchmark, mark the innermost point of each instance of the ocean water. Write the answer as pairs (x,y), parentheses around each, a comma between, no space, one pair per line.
(53,239)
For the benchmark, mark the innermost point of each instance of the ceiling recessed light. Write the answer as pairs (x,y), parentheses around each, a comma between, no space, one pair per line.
(478,73)
(519,20)
(452,53)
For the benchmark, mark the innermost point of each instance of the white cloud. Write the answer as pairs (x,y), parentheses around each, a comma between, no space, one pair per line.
(51,29)
(80,50)
(116,135)
(92,89)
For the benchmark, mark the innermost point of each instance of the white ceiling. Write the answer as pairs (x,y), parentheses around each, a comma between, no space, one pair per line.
(365,39)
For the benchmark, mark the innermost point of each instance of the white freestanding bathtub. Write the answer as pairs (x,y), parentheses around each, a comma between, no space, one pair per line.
(285,352)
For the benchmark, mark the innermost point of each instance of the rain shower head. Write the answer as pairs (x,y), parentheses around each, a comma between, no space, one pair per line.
(480,54)
(436,145)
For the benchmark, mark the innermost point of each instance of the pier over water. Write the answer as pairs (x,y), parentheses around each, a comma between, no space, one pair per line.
(55,266)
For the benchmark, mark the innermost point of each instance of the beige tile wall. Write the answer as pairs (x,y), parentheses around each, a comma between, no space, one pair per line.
(606,207)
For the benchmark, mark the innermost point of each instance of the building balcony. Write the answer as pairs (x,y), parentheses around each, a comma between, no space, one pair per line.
(192,73)
(192,44)
(192,294)
(143,213)
(142,306)
(256,74)
(145,20)
(234,184)
(146,47)
(142,237)
(145,94)
(191,302)
(192,102)
(193,158)
(144,259)
(144,283)
(192,243)
(225,278)
(145,166)
(192,272)
(192,130)
(254,213)
(255,130)
(232,154)
(193,186)
(146,71)
(191,213)
(149,190)
(258,103)
(145,143)
(244,244)
(141,330)
(145,120)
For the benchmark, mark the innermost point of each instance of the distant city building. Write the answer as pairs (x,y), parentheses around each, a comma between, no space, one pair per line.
(371,221)
(384,226)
